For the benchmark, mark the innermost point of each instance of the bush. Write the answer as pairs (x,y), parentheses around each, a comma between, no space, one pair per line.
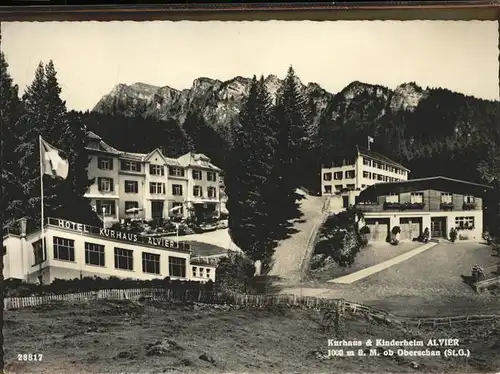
(235,273)
(365,230)
(17,288)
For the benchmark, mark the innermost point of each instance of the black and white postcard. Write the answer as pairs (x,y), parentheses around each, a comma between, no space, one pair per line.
(250,197)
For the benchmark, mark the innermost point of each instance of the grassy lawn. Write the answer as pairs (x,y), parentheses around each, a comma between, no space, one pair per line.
(205,249)
(372,254)
(110,337)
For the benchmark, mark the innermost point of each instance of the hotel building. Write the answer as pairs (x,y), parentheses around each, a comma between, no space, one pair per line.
(352,173)
(152,183)
(73,250)
(436,203)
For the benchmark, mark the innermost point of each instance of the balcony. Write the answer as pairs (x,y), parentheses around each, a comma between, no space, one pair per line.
(469,206)
(403,206)
(448,206)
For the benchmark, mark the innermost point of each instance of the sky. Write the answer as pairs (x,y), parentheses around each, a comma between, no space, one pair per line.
(92,57)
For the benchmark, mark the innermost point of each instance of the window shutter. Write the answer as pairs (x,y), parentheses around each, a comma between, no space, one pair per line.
(139,167)
(110,164)
(113,207)
(111,185)
(162,170)
(99,185)
(98,207)
(180,189)
(163,187)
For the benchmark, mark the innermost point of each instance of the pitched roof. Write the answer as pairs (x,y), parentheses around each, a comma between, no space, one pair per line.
(197,160)
(439,183)
(379,157)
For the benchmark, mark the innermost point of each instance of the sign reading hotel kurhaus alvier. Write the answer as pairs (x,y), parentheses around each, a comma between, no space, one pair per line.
(119,235)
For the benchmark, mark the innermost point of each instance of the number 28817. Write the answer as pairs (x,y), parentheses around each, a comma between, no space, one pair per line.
(27,357)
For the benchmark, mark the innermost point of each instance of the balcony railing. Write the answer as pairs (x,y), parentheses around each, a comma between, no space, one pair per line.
(469,206)
(403,206)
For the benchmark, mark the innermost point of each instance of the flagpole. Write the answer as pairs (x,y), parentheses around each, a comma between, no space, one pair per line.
(42,215)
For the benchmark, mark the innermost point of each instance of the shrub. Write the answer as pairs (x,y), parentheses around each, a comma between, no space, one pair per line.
(365,230)
(17,288)
(235,273)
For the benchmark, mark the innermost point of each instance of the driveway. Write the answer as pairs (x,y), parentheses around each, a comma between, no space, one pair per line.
(427,284)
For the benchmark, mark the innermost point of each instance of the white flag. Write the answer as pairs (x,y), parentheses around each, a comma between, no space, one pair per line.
(370,139)
(53,162)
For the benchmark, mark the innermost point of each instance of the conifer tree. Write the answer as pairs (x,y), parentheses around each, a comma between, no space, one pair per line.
(250,176)
(290,123)
(46,116)
(10,114)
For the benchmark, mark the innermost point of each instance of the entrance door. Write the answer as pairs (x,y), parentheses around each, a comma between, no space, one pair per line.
(438,227)
(157,209)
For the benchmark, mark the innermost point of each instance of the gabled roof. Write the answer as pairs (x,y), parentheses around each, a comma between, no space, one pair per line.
(197,160)
(438,183)
(101,145)
(379,157)
(150,154)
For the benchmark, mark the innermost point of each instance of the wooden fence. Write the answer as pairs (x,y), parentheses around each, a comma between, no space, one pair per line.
(244,300)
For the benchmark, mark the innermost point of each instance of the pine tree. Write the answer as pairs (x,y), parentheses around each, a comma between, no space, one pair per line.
(46,116)
(250,175)
(290,124)
(10,114)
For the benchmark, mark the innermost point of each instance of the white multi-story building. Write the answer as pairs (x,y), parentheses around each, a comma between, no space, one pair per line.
(350,174)
(74,250)
(152,183)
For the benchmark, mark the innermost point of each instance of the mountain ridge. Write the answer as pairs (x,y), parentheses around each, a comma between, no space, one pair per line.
(220,101)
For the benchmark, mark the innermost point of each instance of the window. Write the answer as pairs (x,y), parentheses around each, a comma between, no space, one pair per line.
(337,175)
(64,249)
(94,254)
(105,184)
(208,273)
(211,176)
(212,194)
(469,199)
(328,189)
(351,187)
(156,188)
(105,163)
(197,191)
(131,166)
(39,252)
(417,197)
(178,211)
(327,176)
(367,162)
(380,177)
(150,263)
(131,205)
(350,174)
(338,187)
(197,175)
(177,189)
(464,222)
(446,198)
(367,175)
(201,272)
(107,205)
(176,172)
(177,267)
(156,170)
(131,187)
(124,259)
(392,198)
(194,271)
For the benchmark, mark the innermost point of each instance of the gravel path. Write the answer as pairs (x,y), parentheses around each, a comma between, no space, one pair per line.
(291,252)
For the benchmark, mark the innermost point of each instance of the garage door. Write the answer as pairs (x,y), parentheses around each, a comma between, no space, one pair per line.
(411,227)
(379,228)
